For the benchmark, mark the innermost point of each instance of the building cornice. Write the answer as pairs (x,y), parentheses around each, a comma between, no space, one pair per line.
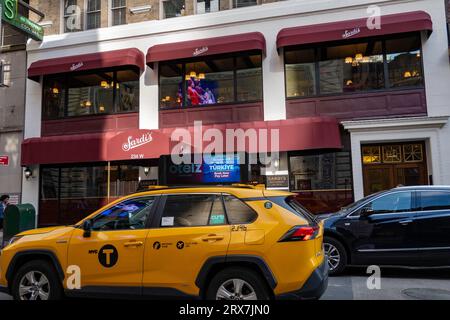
(395,123)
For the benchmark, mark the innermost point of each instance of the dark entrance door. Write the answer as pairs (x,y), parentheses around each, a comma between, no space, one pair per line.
(386,166)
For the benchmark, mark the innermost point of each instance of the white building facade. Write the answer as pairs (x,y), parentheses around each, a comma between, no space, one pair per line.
(387,93)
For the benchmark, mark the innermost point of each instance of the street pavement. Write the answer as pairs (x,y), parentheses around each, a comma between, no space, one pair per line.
(396,284)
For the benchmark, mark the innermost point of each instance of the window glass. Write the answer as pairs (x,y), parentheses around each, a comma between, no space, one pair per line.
(130,214)
(119,12)
(350,68)
(249,78)
(395,202)
(127,91)
(205,6)
(323,182)
(173,8)
(72,16)
(192,211)
(300,73)
(209,82)
(404,62)
(237,211)
(93,14)
(434,200)
(171,84)
(244,3)
(90,94)
(54,98)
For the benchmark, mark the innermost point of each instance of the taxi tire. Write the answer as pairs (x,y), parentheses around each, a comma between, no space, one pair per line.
(246,274)
(43,266)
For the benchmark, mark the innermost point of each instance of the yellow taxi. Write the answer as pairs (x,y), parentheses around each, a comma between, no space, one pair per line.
(216,243)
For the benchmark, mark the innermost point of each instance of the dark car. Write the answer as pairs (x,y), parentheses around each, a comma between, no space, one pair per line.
(407,226)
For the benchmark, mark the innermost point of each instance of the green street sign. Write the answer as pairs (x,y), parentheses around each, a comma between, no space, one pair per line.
(10,14)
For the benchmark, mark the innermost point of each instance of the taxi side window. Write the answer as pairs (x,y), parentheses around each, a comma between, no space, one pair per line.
(128,215)
(237,211)
(193,211)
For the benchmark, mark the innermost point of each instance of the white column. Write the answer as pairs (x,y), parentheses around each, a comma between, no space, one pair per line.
(149,99)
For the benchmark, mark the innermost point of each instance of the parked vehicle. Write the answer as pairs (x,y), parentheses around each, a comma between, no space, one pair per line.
(407,226)
(240,243)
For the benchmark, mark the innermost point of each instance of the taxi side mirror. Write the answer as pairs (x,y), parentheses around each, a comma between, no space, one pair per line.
(87,227)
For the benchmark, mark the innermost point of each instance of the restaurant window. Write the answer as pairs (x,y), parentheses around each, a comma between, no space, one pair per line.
(211,81)
(350,68)
(90,93)
(404,62)
(323,181)
(173,8)
(206,6)
(69,194)
(119,12)
(358,66)
(300,73)
(93,14)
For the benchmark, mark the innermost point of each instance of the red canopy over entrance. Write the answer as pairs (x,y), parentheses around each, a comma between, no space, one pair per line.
(127,57)
(294,134)
(206,47)
(351,29)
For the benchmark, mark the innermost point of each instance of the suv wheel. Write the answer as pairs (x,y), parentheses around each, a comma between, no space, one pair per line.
(36,280)
(336,254)
(237,284)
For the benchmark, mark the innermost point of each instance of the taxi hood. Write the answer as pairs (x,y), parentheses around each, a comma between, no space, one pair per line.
(39,231)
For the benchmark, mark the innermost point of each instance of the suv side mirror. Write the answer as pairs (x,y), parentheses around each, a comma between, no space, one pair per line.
(366,212)
(87,227)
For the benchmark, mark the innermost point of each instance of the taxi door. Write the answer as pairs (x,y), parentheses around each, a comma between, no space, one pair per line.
(111,257)
(188,229)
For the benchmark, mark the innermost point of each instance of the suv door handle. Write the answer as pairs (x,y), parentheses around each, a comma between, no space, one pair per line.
(134,244)
(213,237)
(405,222)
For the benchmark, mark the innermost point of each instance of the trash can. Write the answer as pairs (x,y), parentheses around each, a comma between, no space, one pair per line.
(18,218)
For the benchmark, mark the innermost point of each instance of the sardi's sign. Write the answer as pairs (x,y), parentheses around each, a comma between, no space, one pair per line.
(138,145)
(10,14)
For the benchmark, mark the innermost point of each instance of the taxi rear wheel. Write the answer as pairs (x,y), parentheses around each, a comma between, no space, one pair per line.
(237,284)
(36,280)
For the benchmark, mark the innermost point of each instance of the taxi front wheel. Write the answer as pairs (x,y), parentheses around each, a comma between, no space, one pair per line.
(37,280)
(237,284)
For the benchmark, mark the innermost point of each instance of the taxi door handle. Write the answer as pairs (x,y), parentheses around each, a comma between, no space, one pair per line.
(213,237)
(134,244)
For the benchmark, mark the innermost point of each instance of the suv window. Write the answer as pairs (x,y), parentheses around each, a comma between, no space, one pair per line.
(434,200)
(129,214)
(237,211)
(392,203)
(193,211)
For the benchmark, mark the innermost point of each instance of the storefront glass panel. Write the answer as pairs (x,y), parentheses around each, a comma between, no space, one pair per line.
(90,93)
(68,194)
(211,81)
(357,66)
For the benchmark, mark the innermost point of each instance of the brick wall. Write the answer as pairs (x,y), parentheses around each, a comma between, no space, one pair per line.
(52,11)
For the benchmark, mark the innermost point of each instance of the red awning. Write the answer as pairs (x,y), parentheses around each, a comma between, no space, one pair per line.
(351,29)
(294,134)
(119,58)
(65,149)
(206,47)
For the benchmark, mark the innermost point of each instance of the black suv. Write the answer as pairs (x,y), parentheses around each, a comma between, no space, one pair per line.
(407,226)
